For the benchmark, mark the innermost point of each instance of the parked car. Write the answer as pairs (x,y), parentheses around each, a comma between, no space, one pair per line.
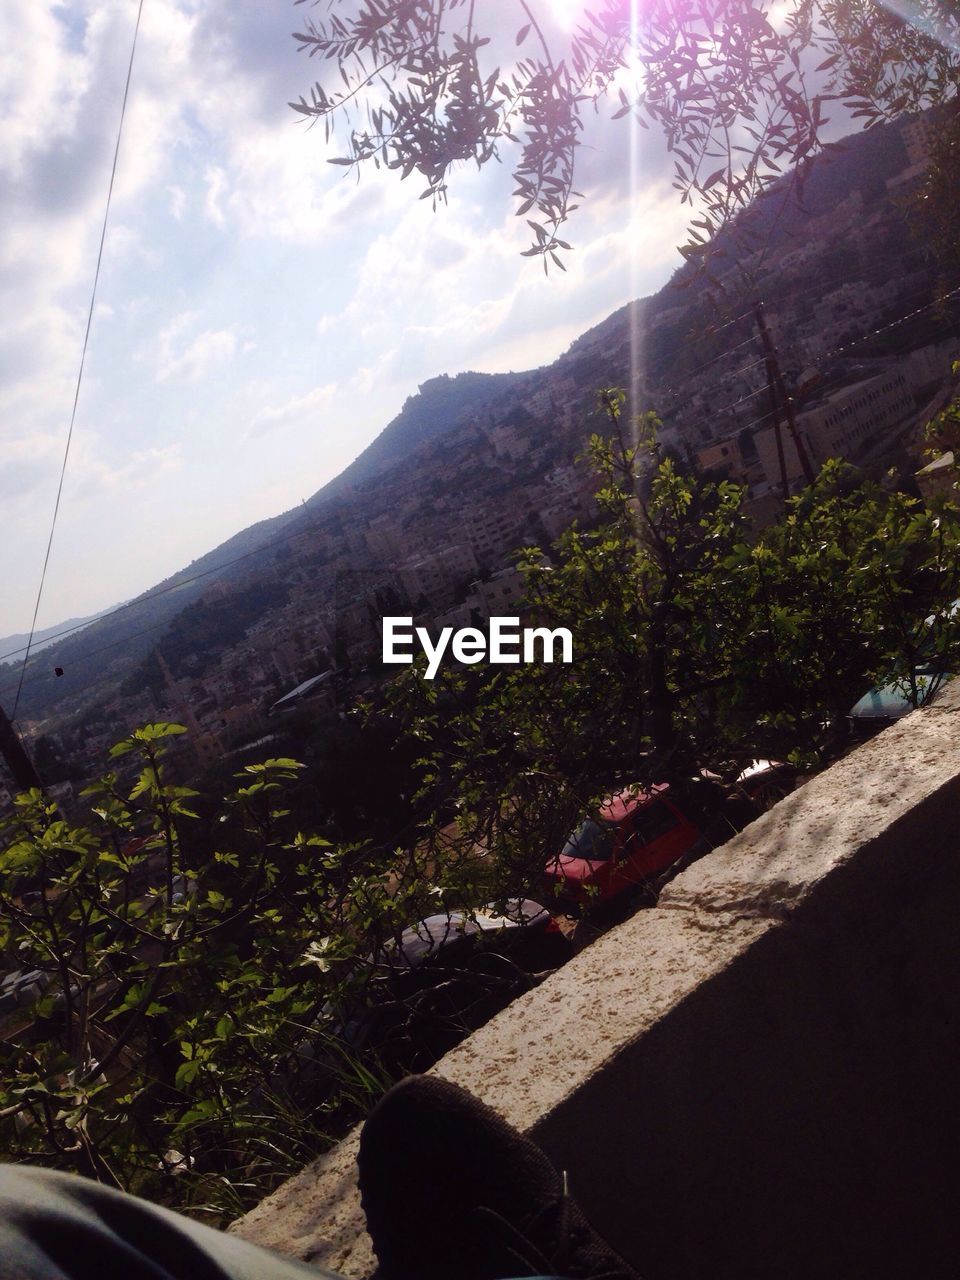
(633,836)
(26,988)
(453,971)
(523,929)
(22,988)
(447,976)
(885,704)
(639,833)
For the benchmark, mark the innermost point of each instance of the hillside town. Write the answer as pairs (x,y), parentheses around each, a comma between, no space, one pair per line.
(523,843)
(435,533)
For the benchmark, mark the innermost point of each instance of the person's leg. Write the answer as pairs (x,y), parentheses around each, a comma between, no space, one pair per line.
(450,1189)
(54,1226)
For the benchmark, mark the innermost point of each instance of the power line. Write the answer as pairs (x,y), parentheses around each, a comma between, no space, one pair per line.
(692,373)
(112,644)
(743,399)
(286,536)
(83,357)
(872,274)
(892,325)
(734,373)
(839,381)
(710,333)
(836,350)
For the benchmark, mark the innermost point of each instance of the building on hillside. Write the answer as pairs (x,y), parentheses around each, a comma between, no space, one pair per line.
(384,538)
(493,533)
(208,749)
(557,517)
(763,506)
(565,479)
(931,364)
(509,441)
(940,478)
(501,595)
(314,541)
(732,459)
(847,423)
(854,419)
(468,613)
(918,137)
(437,577)
(355,623)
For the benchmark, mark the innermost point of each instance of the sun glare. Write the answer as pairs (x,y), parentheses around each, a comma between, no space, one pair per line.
(567,13)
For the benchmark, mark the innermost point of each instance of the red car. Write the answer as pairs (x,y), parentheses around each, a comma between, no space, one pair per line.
(633,837)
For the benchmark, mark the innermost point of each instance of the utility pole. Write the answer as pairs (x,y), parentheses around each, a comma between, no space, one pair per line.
(777,431)
(18,762)
(781,399)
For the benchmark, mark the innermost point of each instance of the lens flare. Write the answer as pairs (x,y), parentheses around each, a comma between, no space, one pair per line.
(931,20)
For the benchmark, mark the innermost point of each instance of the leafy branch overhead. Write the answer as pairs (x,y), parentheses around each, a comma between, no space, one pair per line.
(739,90)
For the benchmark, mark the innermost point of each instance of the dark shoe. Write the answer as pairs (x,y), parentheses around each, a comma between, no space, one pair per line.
(450,1189)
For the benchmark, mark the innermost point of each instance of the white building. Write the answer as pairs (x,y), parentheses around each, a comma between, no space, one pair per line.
(846,424)
(854,419)
(501,595)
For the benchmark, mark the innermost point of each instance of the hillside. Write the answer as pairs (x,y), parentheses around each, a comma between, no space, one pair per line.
(13,646)
(436,461)
(438,405)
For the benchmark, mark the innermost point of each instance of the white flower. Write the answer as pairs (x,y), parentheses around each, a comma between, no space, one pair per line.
(316,953)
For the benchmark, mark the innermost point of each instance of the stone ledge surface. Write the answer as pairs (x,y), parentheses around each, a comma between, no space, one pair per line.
(780,984)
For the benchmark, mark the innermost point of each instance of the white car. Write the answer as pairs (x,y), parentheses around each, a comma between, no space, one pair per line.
(429,936)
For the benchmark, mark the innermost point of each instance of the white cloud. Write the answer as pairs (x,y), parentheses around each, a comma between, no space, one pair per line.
(192,359)
(178,202)
(299,410)
(216,182)
(232,240)
(92,476)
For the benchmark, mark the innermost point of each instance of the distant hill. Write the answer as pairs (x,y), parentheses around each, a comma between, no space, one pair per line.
(677,334)
(14,646)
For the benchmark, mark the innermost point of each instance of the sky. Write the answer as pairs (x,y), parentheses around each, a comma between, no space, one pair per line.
(261,314)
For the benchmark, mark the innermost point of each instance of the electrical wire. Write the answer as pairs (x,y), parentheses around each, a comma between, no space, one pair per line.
(892,325)
(174,586)
(710,333)
(692,373)
(830,354)
(873,274)
(733,373)
(742,400)
(112,644)
(83,357)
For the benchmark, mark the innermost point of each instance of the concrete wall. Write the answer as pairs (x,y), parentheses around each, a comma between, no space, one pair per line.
(758,1078)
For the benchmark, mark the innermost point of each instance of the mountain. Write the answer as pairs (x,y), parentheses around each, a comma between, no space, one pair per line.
(15,645)
(676,351)
(438,405)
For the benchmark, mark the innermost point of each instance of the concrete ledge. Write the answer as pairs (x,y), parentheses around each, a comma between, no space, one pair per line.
(758,1077)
